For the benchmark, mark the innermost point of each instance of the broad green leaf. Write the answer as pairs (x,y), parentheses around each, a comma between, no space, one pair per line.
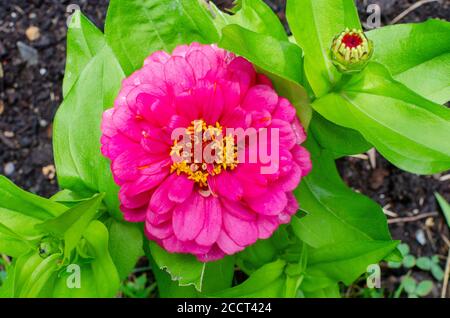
(314,24)
(19,201)
(182,275)
(168,288)
(253,15)
(335,213)
(264,251)
(337,139)
(125,245)
(218,275)
(184,268)
(76,137)
(407,129)
(24,268)
(280,58)
(20,211)
(268,281)
(417,55)
(136,28)
(11,243)
(84,41)
(71,225)
(68,198)
(343,262)
(40,276)
(331,291)
(445,207)
(87,288)
(106,279)
(98,276)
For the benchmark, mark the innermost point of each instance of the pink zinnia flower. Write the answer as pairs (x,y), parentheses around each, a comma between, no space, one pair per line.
(204,209)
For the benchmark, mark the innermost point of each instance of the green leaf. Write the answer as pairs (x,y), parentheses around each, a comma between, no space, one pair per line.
(343,262)
(168,288)
(403,248)
(409,284)
(184,268)
(407,129)
(136,28)
(394,264)
(331,291)
(335,213)
(268,281)
(84,41)
(437,271)
(264,251)
(424,288)
(16,200)
(417,55)
(280,58)
(41,275)
(218,275)
(68,198)
(337,139)
(29,275)
(76,137)
(409,261)
(71,225)
(98,275)
(314,24)
(20,211)
(105,275)
(253,15)
(445,207)
(424,263)
(125,245)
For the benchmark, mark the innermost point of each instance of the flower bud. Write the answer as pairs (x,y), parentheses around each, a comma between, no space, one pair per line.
(48,246)
(351,51)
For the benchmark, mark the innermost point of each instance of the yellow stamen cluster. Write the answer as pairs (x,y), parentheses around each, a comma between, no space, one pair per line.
(199,133)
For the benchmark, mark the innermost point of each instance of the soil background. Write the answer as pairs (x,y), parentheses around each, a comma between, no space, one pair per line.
(31,92)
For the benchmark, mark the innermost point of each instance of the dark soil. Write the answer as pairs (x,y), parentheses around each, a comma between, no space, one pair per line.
(30,95)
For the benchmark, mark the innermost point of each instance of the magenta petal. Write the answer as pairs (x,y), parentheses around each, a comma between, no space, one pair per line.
(229,186)
(227,245)
(303,159)
(134,215)
(242,232)
(189,217)
(213,222)
(239,210)
(199,62)
(260,97)
(214,254)
(161,231)
(266,226)
(284,111)
(290,181)
(160,203)
(179,74)
(271,203)
(181,189)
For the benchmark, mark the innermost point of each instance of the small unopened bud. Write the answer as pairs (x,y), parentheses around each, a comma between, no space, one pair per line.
(351,51)
(48,246)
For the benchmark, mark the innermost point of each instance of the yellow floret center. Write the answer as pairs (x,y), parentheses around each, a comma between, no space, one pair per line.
(204,151)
